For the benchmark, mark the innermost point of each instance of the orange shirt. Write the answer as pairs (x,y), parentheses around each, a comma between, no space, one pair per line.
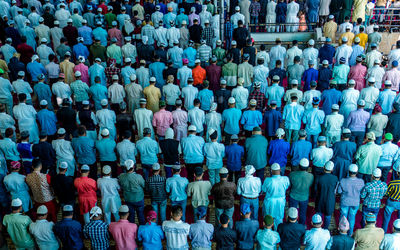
(199,75)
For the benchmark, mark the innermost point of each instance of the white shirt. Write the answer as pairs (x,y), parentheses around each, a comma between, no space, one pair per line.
(116,93)
(197,118)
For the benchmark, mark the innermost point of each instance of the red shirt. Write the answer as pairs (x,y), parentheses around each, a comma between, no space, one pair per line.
(87,196)
(199,75)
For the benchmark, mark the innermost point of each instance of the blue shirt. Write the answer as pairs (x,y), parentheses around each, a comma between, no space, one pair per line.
(246,232)
(234,154)
(328,98)
(206,96)
(97,70)
(214,153)
(148,150)
(231,119)
(80,50)
(251,119)
(86,33)
(386,100)
(156,69)
(177,187)
(313,118)
(272,120)
(256,151)
(388,152)
(326,52)
(300,149)
(275,93)
(101,34)
(192,148)
(357,50)
(98,93)
(106,148)
(278,151)
(43,92)
(84,148)
(70,233)
(151,235)
(126,73)
(48,121)
(190,54)
(309,75)
(201,234)
(35,68)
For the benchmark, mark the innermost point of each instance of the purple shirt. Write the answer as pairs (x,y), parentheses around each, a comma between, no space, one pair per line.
(350,189)
(357,120)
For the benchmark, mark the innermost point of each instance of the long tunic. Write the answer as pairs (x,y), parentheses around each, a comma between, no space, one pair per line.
(343,153)
(325,186)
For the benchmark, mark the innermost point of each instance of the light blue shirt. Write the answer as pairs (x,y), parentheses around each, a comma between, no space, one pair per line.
(20,86)
(126,151)
(316,238)
(98,92)
(190,53)
(126,73)
(214,153)
(386,100)
(206,97)
(86,33)
(175,54)
(156,69)
(176,186)
(97,70)
(101,34)
(249,186)
(84,148)
(106,149)
(48,121)
(184,74)
(292,114)
(148,150)
(275,93)
(15,183)
(313,118)
(231,118)
(43,232)
(9,149)
(388,152)
(192,148)
(321,155)
(201,234)
(267,239)
(251,119)
(197,118)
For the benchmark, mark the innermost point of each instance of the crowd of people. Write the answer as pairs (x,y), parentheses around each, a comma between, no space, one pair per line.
(107,107)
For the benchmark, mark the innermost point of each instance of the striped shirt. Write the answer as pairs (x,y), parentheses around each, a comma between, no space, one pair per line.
(155,185)
(393,191)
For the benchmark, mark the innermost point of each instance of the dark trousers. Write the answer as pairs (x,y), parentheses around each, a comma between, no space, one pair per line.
(115,170)
(235,174)
(385,173)
(365,177)
(302,205)
(260,174)
(137,207)
(248,133)
(357,137)
(171,108)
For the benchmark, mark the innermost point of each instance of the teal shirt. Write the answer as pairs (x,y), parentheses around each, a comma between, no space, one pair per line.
(132,185)
(9,149)
(256,150)
(106,148)
(80,90)
(231,118)
(98,93)
(176,186)
(148,150)
(17,227)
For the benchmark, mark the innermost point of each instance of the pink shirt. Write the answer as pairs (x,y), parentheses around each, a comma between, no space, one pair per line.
(162,120)
(358,73)
(124,234)
(394,76)
(114,32)
(84,71)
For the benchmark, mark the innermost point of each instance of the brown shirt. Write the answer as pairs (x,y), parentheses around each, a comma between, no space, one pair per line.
(224,194)
(40,187)
(369,237)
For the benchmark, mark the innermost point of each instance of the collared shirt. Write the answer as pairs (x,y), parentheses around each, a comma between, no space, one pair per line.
(97,232)
(231,118)
(316,238)
(372,193)
(299,150)
(334,123)
(80,91)
(151,235)
(350,189)
(389,150)
(42,230)
(201,234)
(330,97)
(155,185)
(162,120)
(214,153)
(39,184)
(369,237)
(241,96)
(116,93)
(292,114)
(176,233)
(47,120)
(189,93)
(126,151)
(199,191)
(177,187)
(192,148)
(256,151)
(106,149)
(386,99)
(246,233)
(357,120)
(124,233)
(377,124)
(370,96)
(367,157)
(196,117)
(148,150)
(321,155)
(267,239)
(9,149)
(132,185)
(313,118)
(275,93)
(17,227)
(234,154)
(251,119)
(249,186)
(70,233)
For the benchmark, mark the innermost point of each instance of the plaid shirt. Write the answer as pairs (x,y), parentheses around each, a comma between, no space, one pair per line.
(228,30)
(255,9)
(97,232)
(208,35)
(155,185)
(259,97)
(372,193)
(110,71)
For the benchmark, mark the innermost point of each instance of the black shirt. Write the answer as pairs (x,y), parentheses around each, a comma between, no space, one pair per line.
(195,33)
(291,235)
(64,189)
(225,238)
(45,152)
(124,122)
(66,117)
(169,148)
(240,34)
(222,96)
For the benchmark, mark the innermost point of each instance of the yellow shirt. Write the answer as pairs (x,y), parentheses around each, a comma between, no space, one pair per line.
(153,95)
(350,38)
(363,39)
(330,30)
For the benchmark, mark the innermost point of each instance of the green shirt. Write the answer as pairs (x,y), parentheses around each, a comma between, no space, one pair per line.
(17,227)
(115,52)
(367,157)
(80,91)
(98,51)
(132,185)
(300,182)
(220,53)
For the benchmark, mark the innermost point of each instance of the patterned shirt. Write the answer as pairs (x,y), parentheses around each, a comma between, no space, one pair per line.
(204,53)
(228,30)
(208,35)
(255,8)
(259,97)
(373,193)
(393,191)
(97,232)
(110,71)
(155,185)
